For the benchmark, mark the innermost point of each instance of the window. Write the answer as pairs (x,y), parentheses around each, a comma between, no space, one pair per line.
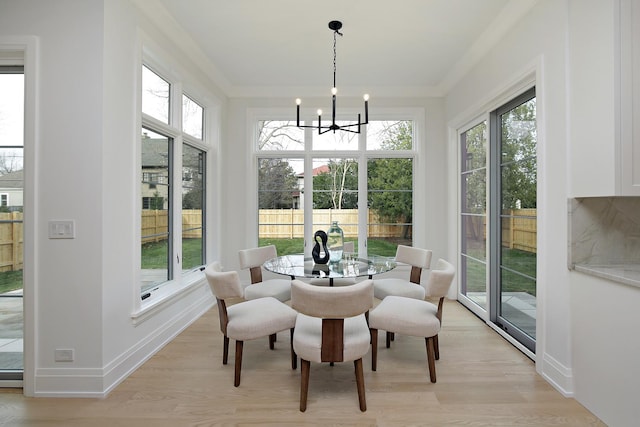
(172,187)
(4,199)
(364,181)
(498,202)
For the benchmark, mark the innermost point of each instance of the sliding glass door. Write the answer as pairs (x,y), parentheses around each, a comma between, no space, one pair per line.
(513,218)
(498,211)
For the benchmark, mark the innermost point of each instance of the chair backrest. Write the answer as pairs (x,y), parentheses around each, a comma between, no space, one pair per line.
(332,302)
(439,282)
(418,258)
(224,284)
(333,305)
(254,258)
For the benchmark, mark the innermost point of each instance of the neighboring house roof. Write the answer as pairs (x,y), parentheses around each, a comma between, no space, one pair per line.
(13,179)
(154,153)
(316,171)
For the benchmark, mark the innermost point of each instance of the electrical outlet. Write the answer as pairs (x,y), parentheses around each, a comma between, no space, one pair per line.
(64,355)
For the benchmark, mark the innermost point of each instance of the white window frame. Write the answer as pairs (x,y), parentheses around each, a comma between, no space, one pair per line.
(416,115)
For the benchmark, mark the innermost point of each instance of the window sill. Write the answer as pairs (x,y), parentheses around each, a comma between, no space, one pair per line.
(166,295)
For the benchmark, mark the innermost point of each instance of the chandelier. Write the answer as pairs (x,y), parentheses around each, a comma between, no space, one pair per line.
(333,126)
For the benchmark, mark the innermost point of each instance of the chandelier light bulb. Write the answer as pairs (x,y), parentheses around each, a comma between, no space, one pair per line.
(334,91)
(366,96)
(298,101)
(319,112)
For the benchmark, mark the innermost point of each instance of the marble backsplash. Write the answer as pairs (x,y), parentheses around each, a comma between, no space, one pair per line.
(604,231)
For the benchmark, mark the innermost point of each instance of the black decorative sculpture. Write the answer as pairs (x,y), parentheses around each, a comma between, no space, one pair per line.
(320,254)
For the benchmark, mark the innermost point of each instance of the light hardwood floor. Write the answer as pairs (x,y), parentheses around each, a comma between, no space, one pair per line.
(482,381)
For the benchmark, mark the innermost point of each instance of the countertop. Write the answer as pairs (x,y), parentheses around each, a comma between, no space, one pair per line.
(628,274)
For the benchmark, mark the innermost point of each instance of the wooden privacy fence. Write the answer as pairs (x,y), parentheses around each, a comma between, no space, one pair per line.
(289,223)
(519,229)
(11,241)
(155,225)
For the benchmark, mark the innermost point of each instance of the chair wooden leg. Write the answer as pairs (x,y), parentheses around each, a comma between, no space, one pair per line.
(389,338)
(225,350)
(436,346)
(294,356)
(431,359)
(305,366)
(374,349)
(272,341)
(360,383)
(236,381)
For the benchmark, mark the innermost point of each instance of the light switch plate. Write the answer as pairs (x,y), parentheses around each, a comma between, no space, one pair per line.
(62,229)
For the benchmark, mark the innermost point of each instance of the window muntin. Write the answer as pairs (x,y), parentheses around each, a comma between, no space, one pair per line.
(156,245)
(156,92)
(192,117)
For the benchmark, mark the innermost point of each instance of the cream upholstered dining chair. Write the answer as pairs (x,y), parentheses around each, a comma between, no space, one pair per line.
(253,259)
(331,327)
(418,259)
(247,320)
(348,247)
(413,317)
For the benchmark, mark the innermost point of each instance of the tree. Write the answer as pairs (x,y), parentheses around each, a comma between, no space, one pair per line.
(277,184)
(337,188)
(518,162)
(279,135)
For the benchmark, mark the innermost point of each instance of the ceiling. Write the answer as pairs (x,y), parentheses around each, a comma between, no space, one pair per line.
(284,48)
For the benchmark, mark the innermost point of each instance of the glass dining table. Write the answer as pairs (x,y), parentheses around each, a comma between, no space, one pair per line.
(297,266)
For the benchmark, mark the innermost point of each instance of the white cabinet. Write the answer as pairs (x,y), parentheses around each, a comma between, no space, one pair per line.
(604,98)
(629,105)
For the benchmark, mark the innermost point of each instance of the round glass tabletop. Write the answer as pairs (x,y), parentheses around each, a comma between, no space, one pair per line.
(299,266)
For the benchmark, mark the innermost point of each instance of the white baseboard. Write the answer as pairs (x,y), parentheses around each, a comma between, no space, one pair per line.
(98,383)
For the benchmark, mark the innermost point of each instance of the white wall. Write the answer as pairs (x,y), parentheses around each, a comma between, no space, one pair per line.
(80,293)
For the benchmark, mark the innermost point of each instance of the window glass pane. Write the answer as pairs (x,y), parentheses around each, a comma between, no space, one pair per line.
(193,202)
(279,135)
(192,117)
(473,191)
(390,135)
(156,194)
(517,252)
(280,204)
(155,95)
(12,117)
(390,201)
(335,141)
(335,196)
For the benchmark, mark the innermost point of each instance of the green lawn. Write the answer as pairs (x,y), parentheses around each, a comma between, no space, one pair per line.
(10,281)
(517,276)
